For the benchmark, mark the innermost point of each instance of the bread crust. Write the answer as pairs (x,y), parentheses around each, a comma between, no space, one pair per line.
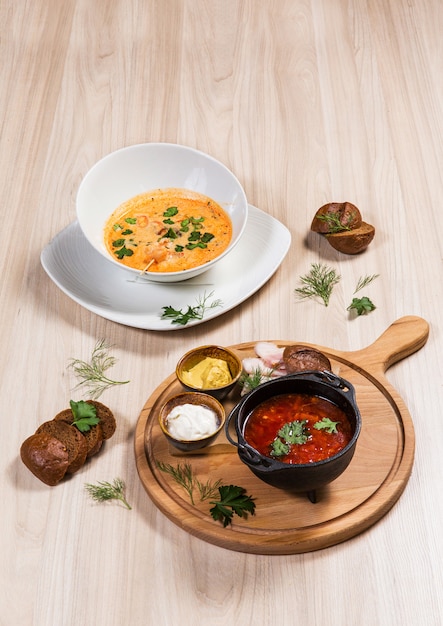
(94,436)
(300,358)
(107,419)
(46,457)
(352,241)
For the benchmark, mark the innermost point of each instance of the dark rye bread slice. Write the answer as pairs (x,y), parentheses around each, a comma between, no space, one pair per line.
(71,438)
(107,419)
(46,457)
(94,436)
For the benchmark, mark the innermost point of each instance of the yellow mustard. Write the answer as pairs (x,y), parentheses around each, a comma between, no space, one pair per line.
(207,374)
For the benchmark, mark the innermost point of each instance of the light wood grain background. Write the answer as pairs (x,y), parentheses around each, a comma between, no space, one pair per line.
(307,102)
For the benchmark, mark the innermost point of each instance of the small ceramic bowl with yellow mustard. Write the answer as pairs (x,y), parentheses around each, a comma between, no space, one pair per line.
(191,420)
(210,369)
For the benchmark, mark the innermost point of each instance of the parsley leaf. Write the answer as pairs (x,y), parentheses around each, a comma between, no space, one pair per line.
(294,432)
(177,316)
(280,448)
(362,306)
(232,500)
(290,433)
(123,251)
(171,211)
(85,415)
(326,424)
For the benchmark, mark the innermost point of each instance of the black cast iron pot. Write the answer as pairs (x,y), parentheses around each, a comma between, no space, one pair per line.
(307,477)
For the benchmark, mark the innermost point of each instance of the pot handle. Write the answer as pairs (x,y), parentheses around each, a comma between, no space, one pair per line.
(336,381)
(229,419)
(245,451)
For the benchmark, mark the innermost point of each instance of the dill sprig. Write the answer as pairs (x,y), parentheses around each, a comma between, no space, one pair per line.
(92,374)
(334,222)
(104,491)
(184,476)
(250,381)
(363,281)
(208,489)
(178,316)
(319,282)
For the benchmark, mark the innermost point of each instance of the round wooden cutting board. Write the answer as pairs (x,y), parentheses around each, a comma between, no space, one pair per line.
(286,523)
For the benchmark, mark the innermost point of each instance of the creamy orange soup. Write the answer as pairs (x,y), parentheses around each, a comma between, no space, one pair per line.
(167,230)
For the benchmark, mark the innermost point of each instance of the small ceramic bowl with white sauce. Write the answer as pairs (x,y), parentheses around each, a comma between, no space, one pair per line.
(191,420)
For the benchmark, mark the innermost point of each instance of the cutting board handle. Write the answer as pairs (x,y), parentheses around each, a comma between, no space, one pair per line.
(404,337)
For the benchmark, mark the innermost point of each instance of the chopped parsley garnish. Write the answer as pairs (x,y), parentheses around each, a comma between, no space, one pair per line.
(171,211)
(326,424)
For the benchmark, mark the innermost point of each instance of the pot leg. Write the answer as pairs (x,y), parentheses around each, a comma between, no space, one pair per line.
(312,495)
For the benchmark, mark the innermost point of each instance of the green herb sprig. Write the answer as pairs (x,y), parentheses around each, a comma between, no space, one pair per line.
(104,491)
(334,222)
(250,381)
(85,415)
(183,475)
(362,306)
(363,281)
(326,424)
(197,312)
(290,433)
(320,282)
(232,500)
(92,374)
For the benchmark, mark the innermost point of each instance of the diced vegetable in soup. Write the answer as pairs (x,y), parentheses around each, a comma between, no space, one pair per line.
(167,230)
(298,428)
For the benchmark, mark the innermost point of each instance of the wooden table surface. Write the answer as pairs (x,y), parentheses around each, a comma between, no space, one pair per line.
(307,102)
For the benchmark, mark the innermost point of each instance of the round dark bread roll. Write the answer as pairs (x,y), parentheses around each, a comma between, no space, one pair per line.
(72,439)
(352,241)
(345,214)
(94,436)
(46,457)
(299,358)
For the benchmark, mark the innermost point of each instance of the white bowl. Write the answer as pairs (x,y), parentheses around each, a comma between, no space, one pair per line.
(144,167)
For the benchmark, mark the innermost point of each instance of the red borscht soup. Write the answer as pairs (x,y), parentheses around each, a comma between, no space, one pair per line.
(298,428)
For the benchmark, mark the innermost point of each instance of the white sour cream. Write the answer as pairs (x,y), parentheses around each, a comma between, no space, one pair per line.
(189,422)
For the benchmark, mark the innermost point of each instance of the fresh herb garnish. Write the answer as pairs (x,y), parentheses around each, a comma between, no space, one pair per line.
(120,244)
(319,282)
(362,306)
(108,491)
(290,433)
(92,374)
(363,281)
(254,379)
(170,234)
(326,424)
(280,448)
(334,222)
(208,489)
(184,476)
(178,316)
(232,500)
(85,415)
(131,220)
(171,211)
(123,251)
(294,432)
